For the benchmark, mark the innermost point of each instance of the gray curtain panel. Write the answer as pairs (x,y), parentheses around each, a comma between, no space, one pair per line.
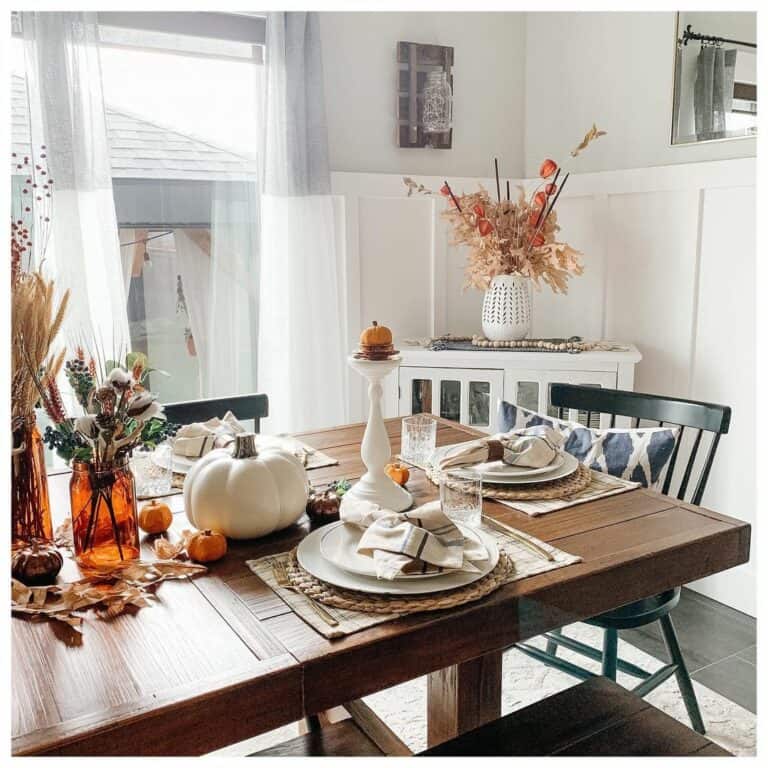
(713,91)
(296,152)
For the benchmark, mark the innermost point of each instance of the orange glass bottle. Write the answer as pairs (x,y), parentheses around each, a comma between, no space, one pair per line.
(105,526)
(30,506)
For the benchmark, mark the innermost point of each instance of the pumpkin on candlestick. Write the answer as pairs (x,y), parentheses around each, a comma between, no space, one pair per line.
(376,343)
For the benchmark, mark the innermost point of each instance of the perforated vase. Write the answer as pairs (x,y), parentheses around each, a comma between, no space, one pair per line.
(507,308)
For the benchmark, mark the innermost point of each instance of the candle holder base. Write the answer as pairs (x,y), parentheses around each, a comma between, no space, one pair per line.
(382,491)
(375,485)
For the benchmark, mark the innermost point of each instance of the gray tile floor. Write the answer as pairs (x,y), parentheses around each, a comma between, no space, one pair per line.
(718,643)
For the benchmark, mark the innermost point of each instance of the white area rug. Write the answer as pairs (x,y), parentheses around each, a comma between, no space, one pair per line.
(404,707)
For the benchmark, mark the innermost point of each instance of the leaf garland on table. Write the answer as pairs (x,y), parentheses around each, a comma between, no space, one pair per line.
(513,236)
(110,592)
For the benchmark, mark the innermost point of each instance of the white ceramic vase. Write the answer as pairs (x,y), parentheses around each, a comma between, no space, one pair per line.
(507,308)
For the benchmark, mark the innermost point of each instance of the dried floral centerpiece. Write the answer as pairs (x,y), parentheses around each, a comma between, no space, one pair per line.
(36,317)
(119,414)
(512,243)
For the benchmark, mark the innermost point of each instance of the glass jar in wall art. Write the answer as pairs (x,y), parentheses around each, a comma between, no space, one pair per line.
(437,104)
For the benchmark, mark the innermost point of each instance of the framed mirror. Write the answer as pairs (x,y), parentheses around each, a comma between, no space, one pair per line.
(715,77)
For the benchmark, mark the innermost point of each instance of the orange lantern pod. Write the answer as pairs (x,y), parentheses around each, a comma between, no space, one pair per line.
(537,240)
(485,227)
(479,210)
(540,199)
(550,189)
(548,167)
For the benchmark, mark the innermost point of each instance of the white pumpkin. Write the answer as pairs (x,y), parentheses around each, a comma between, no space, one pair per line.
(245,493)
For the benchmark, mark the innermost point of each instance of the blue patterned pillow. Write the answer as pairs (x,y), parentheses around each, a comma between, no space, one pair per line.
(640,455)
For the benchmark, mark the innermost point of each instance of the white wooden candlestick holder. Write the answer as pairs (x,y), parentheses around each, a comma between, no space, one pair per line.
(375,485)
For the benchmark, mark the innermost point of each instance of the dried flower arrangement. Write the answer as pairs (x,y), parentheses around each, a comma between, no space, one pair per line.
(118,415)
(36,318)
(519,236)
(118,412)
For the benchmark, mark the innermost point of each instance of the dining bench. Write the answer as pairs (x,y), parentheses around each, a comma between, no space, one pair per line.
(597,717)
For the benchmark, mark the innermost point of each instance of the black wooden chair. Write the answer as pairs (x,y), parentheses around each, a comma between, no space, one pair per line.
(701,418)
(243,407)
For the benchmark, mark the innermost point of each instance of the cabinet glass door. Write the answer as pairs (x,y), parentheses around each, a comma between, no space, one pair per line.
(450,400)
(467,396)
(479,405)
(421,396)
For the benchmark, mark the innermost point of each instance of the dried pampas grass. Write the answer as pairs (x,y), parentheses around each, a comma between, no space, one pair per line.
(35,322)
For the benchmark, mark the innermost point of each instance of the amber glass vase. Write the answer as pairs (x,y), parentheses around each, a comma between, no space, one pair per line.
(30,507)
(105,525)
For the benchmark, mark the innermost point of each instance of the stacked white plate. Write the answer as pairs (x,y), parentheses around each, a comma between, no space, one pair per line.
(504,474)
(330,554)
(182,464)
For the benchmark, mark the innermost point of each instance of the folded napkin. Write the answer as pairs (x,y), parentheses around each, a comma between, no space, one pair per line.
(195,440)
(532,447)
(422,540)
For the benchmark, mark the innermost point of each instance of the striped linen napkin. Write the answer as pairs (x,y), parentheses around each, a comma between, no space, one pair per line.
(531,447)
(422,540)
(195,440)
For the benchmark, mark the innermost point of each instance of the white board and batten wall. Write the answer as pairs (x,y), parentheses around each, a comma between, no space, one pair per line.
(669,255)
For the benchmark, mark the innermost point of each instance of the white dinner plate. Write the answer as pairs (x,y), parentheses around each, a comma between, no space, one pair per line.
(311,559)
(339,542)
(568,467)
(182,464)
(507,473)
(179,464)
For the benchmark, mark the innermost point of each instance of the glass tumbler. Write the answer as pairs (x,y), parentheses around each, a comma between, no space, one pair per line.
(418,437)
(152,469)
(461,496)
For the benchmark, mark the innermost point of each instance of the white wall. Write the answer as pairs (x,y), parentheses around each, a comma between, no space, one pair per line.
(360,72)
(669,248)
(615,69)
(670,258)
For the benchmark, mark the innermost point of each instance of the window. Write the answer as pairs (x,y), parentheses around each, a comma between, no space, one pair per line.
(181,94)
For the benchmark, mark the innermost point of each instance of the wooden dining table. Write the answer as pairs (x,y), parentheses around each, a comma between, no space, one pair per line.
(220,658)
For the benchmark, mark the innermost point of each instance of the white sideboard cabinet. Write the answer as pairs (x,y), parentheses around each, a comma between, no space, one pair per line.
(466,386)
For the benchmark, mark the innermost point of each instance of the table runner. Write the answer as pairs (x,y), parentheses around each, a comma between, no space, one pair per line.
(526,562)
(602,485)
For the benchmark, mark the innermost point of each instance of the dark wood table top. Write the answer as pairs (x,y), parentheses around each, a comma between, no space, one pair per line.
(221,658)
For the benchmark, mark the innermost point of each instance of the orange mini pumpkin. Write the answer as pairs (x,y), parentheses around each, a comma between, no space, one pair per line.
(375,336)
(207,546)
(155,517)
(398,472)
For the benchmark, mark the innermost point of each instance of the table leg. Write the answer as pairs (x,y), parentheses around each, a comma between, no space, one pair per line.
(463,697)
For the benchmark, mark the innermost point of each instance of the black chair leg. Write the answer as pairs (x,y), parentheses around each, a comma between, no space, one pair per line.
(551,644)
(683,678)
(610,653)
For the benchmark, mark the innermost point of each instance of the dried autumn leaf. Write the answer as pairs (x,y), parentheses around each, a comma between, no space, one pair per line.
(63,535)
(592,134)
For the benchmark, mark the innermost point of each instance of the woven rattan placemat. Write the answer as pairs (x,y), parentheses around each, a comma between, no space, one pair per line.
(337,597)
(556,489)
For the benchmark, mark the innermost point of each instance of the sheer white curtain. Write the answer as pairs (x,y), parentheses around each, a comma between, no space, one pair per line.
(193,260)
(234,290)
(301,363)
(67,116)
